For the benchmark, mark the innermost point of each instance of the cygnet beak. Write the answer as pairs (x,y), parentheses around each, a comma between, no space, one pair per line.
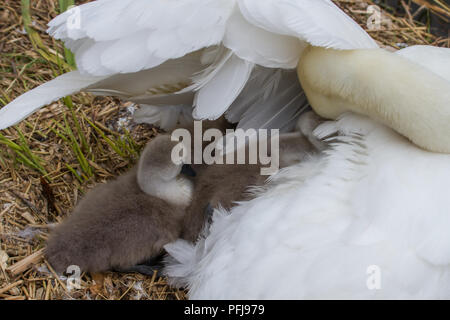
(187,170)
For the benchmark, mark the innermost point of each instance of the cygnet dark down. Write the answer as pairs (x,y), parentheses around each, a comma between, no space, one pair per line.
(224,185)
(127,221)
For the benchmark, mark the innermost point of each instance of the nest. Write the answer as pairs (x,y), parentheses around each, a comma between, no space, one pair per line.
(54,157)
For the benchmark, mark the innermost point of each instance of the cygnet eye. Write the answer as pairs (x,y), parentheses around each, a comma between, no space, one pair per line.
(187,170)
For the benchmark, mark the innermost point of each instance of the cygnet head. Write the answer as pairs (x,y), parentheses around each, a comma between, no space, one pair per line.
(160,171)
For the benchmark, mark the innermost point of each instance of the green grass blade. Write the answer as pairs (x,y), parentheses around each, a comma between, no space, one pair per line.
(75,173)
(110,142)
(80,132)
(24,153)
(36,40)
(30,155)
(86,168)
(64,5)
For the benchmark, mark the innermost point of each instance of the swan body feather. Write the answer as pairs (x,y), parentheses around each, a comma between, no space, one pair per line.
(318,230)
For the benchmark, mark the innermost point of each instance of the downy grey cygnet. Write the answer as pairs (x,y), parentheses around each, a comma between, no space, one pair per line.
(224,185)
(127,221)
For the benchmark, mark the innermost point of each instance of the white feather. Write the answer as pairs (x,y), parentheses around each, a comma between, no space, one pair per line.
(277,106)
(46,93)
(371,200)
(171,76)
(88,58)
(148,32)
(319,22)
(260,46)
(261,84)
(214,98)
(161,100)
(167,117)
(147,87)
(182,254)
(217,59)
(130,54)
(127,39)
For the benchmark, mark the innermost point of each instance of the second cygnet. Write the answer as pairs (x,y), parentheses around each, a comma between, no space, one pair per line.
(225,185)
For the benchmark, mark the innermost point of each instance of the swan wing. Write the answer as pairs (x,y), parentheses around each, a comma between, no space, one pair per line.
(273,34)
(144,48)
(167,117)
(152,86)
(124,36)
(220,92)
(319,22)
(263,47)
(272,99)
(44,94)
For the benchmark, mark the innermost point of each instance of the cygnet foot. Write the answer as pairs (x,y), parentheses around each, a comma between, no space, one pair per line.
(147,267)
(139,268)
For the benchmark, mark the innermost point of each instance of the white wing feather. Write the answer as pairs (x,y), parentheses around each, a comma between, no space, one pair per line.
(213,99)
(171,76)
(262,82)
(216,57)
(319,22)
(167,117)
(147,87)
(46,93)
(146,32)
(260,46)
(129,40)
(272,99)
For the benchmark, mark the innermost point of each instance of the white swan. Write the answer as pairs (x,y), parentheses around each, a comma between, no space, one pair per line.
(211,51)
(368,220)
(315,248)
